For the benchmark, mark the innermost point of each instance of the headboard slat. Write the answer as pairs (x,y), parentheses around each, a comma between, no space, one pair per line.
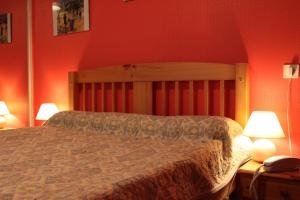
(142,97)
(206,97)
(191,97)
(124,97)
(222,98)
(84,96)
(103,96)
(113,97)
(177,105)
(93,90)
(164,98)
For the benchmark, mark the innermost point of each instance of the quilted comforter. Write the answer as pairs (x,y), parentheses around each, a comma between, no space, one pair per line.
(82,155)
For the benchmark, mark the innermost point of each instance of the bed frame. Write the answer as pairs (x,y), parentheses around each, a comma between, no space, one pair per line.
(142,77)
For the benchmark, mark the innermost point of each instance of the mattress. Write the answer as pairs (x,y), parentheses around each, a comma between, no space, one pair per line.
(119,156)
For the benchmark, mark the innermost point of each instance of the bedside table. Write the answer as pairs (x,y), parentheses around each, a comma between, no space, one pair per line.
(269,186)
(5,129)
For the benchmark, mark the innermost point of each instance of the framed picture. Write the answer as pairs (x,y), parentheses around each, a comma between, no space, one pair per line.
(70,16)
(5,28)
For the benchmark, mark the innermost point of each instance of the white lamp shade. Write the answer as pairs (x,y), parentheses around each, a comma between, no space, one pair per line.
(263,124)
(3,108)
(46,111)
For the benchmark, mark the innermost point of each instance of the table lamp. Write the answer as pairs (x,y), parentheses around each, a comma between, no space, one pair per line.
(263,125)
(3,111)
(46,111)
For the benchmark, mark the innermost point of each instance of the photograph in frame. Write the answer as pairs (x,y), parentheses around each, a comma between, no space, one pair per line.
(70,16)
(5,28)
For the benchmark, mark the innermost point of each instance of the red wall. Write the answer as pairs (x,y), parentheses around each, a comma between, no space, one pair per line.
(13,65)
(264,33)
(270,31)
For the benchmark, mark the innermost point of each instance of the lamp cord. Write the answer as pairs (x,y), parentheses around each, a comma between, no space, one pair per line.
(288,115)
(252,189)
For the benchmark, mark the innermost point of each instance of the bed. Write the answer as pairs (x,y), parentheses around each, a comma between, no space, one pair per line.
(111,155)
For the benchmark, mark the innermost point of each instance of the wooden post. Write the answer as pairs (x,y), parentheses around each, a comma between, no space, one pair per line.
(73,94)
(242,94)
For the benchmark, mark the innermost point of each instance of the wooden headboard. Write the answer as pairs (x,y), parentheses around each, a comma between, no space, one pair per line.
(142,78)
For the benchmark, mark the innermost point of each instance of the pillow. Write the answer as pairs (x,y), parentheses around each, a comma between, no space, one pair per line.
(188,127)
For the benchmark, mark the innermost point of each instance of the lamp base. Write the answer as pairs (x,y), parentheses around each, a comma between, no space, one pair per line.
(2,122)
(263,149)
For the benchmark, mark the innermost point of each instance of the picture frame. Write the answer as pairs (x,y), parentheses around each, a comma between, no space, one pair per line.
(70,16)
(5,28)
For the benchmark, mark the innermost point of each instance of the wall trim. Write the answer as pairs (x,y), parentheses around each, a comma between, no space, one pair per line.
(30,63)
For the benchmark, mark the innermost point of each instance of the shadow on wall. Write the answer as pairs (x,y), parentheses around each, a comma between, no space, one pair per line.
(16,109)
(13,122)
(181,33)
(295,59)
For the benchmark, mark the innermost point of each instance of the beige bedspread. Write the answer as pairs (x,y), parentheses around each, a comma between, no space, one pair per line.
(118,156)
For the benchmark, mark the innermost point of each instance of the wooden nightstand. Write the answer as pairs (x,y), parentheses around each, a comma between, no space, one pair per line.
(5,129)
(269,186)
